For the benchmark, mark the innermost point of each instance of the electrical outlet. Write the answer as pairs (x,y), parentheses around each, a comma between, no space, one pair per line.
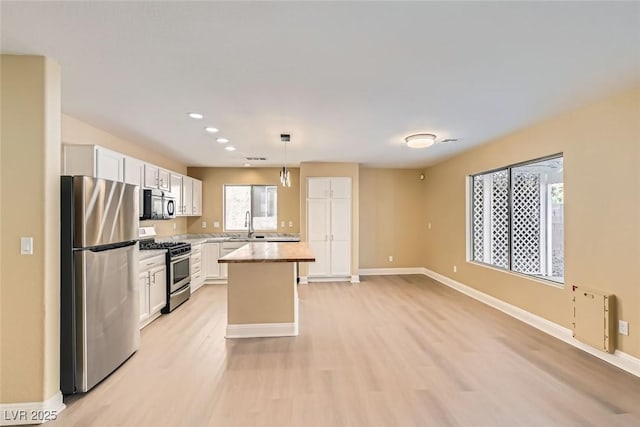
(429,226)
(455,268)
(175,225)
(623,327)
(290,224)
(204,224)
(390,258)
(216,224)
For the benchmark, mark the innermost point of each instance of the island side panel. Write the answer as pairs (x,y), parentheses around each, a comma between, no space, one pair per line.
(262,292)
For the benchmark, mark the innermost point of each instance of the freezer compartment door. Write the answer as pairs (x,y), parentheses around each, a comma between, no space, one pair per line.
(106,211)
(107,289)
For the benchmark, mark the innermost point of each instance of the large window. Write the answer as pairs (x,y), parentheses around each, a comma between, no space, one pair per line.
(517,218)
(258,201)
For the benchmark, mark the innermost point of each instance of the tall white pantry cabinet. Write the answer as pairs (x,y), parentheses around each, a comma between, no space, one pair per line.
(329,226)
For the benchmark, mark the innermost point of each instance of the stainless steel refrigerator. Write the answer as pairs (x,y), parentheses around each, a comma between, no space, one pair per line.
(98,278)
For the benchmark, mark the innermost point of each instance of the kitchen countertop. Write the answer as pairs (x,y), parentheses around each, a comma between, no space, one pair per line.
(271,252)
(150,253)
(195,239)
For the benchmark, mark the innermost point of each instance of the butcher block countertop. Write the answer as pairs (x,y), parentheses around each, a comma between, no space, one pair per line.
(271,252)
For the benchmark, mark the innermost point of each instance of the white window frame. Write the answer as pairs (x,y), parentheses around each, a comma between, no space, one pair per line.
(469,222)
(224,207)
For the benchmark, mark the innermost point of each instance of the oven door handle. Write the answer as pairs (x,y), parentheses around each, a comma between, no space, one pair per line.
(180,258)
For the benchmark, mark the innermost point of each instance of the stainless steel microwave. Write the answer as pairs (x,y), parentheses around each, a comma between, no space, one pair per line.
(157,204)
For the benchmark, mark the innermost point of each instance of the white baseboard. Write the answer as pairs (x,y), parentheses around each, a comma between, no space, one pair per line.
(320,279)
(13,414)
(619,359)
(304,280)
(355,279)
(390,271)
(259,330)
(215,282)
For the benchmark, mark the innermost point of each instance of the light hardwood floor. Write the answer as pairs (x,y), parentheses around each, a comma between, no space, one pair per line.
(390,351)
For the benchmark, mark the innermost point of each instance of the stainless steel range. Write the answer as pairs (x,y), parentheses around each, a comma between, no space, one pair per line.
(178,268)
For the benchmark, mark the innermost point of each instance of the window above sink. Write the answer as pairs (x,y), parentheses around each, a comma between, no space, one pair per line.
(261,201)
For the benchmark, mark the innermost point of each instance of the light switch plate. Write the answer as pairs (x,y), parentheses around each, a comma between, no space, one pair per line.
(26,246)
(216,224)
(282,224)
(204,224)
(290,224)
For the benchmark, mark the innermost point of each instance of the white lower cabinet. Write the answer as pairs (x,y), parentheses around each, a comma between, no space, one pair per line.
(197,278)
(157,289)
(210,266)
(153,288)
(144,298)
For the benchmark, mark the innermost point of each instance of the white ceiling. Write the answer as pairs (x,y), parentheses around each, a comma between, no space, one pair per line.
(348,80)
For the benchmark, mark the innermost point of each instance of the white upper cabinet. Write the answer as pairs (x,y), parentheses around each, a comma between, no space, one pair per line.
(187,195)
(164,180)
(196,198)
(99,162)
(176,192)
(191,196)
(133,171)
(151,176)
(91,160)
(109,165)
(155,177)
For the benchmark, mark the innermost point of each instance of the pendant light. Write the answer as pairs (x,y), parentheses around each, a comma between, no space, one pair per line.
(285,174)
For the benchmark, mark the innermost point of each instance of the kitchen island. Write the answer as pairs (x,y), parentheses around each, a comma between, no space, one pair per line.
(262,294)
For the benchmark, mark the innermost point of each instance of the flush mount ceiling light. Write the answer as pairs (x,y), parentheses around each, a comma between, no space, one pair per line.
(285,174)
(211,129)
(230,148)
(420,140)
(222,140)
(196,116)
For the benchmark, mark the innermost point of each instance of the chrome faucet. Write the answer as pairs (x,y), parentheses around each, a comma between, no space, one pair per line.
(248,222)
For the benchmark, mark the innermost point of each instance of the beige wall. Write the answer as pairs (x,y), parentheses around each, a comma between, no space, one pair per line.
(213,180)
(30,206)
(392,217)
(75,131)
(320,169)
(601,150)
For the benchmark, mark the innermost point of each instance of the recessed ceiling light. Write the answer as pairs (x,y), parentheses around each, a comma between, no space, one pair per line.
(196,116)
(230,148)
(211,129)
(420,140)
(222,140)
(246,165)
